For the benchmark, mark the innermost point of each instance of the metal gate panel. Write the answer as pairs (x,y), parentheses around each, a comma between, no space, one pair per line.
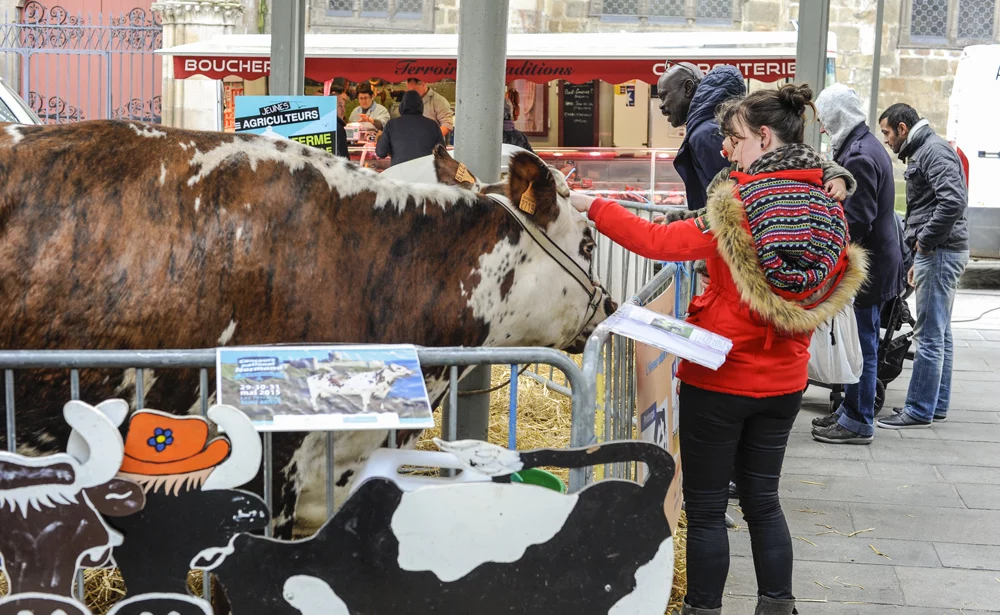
(71,68)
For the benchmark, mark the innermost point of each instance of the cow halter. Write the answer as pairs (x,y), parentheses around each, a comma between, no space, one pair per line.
(595,292)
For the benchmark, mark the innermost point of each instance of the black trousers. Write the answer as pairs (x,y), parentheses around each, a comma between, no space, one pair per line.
(720,433)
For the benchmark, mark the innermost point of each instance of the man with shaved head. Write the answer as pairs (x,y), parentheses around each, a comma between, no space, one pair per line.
(688,96)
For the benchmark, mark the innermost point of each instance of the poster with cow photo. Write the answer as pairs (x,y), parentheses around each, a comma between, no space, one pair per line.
(340,387)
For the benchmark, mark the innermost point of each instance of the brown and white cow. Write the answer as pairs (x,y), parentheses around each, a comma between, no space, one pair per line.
(123,235)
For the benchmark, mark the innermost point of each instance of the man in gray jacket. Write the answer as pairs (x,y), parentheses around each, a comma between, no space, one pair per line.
(938,234)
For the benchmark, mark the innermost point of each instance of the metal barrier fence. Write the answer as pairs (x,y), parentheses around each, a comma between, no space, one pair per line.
(609,366)
(12,361)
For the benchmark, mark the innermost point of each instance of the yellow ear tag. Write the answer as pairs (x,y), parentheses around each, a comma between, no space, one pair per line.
(462,175)
(527,203)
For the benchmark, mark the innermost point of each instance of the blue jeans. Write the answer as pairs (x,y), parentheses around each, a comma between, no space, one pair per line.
(936,276)
(857,413)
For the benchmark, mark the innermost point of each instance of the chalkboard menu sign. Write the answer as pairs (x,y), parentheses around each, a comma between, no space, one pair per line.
(579,115)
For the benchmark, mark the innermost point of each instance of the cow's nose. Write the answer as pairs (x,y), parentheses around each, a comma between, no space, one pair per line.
(610,306)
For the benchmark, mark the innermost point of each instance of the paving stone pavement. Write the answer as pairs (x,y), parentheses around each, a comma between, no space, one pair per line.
(909,525)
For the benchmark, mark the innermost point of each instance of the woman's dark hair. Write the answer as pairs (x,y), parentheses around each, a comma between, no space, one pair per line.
(782,110)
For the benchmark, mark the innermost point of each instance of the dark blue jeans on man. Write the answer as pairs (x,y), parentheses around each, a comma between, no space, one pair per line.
(857,413)
(936,276)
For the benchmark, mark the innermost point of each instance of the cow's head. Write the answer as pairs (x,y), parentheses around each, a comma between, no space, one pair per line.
(73,490)
(551,305)
(394,371)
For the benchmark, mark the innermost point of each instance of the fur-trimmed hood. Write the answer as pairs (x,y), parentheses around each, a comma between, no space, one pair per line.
(727,220)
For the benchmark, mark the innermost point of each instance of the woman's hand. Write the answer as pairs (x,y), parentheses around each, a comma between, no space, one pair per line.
(580,201)
(837,188)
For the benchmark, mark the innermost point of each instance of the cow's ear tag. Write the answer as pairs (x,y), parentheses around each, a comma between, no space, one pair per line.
(462,175)
(527,203)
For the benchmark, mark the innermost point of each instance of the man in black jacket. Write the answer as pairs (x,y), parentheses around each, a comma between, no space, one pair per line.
(872,225)
(687,97)
(937,231)
(411,135)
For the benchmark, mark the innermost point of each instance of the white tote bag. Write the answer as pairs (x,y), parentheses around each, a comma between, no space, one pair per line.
(835,350)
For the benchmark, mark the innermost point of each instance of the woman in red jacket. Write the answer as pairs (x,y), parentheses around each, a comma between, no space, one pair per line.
(779,263)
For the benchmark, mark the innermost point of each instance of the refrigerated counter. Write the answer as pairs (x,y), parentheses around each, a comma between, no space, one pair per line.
(642,175)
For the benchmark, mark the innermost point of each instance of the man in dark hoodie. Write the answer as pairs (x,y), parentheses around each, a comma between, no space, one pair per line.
(411,135)
(687,96)
(872,225)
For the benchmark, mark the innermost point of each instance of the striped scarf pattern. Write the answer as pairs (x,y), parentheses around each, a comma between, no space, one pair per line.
(800,232)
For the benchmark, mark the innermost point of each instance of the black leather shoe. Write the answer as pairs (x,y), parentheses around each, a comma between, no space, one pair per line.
(938,418)
(901,421)
(825,421)
(838,434)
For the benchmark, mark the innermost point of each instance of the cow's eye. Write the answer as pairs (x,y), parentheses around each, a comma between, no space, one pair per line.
(588,248)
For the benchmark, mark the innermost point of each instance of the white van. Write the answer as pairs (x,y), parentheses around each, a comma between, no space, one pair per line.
(974,130)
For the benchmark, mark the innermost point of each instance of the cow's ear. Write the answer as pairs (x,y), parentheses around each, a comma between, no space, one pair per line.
(450,171)
(531,187)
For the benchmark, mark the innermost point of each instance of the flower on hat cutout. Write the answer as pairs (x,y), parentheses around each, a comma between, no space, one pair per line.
(161,439)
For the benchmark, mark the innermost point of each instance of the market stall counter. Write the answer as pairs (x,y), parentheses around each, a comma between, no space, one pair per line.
(641,175)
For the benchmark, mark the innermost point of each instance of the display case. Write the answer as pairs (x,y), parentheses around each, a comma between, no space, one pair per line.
(639,175)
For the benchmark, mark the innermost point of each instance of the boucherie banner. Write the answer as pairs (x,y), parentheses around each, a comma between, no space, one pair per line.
(435,69)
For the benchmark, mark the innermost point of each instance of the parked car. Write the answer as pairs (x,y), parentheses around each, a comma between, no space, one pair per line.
(13,108)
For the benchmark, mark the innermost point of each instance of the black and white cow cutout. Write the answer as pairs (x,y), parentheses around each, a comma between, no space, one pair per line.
(51,508)
(503,547)
(192,507)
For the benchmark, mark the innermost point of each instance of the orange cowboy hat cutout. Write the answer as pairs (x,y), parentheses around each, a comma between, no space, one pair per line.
(161,444)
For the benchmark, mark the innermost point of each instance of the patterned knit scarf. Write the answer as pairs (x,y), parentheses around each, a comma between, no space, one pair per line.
(800,232)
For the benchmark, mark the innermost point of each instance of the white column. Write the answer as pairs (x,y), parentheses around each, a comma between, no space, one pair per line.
(479,85)
(193,102)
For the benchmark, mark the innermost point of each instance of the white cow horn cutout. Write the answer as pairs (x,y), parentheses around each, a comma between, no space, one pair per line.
(101,437)
(244,459)
(115,409)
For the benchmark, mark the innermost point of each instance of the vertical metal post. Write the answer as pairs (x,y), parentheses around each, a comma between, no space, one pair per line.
(453,396)
(268,478)
(810,56)
(482,62)
(9,402)
(288,48)
(139,389)
(206,576)
(876,69)
(512,419)
(330,475)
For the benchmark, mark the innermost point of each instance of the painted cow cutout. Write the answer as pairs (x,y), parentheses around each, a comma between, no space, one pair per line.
(192,509)
(503,547)
(51,508)
(155,237)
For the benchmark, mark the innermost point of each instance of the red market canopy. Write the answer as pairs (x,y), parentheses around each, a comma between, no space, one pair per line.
(576,58)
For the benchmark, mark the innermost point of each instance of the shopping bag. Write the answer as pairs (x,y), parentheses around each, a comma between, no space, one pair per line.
(835,350)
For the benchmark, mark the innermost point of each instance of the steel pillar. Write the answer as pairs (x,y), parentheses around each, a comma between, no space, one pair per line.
(810,56)
(876,70)
(288,49)
(482,62)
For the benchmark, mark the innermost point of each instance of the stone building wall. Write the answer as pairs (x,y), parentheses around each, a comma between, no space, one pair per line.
(920,77)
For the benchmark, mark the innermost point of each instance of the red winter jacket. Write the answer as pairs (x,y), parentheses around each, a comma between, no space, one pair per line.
(770,335)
